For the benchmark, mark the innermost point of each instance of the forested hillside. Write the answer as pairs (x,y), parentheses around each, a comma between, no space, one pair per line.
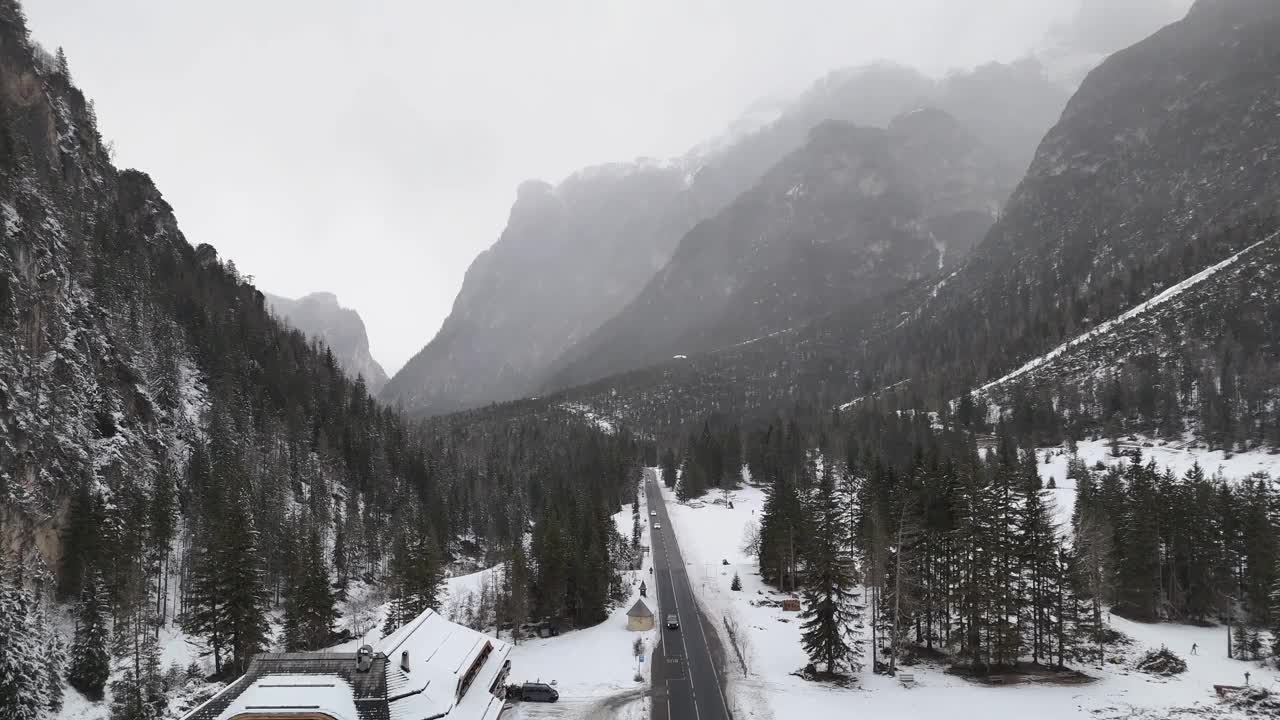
(170,453)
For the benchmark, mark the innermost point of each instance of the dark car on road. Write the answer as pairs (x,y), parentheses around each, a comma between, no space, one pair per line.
(533,692)
(673,622)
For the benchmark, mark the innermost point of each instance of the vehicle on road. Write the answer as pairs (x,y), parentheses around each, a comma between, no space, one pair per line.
(673,622)
(533,692)
(657,526)
(653,513)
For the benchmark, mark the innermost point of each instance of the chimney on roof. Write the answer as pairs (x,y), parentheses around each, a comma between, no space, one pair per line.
(404,661)
(364,658)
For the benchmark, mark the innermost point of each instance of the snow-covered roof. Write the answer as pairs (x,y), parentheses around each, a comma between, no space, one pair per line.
(452,669)
(454,674)
(327,694)
(639,610)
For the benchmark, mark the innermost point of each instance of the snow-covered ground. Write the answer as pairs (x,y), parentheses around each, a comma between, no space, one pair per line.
(604,423)
(710,532)
(1179,457)
(1143,307)
(594,668)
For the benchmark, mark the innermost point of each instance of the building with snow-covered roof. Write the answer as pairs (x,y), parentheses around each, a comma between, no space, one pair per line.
(639,617)
(429,668)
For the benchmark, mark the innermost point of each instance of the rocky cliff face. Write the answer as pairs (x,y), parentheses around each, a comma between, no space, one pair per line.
(569,257)
(576,254)
(855,213)
(321,317)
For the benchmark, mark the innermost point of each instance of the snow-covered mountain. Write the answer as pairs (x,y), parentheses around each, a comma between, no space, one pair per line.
(575,254)
(1164,165)
(320,316)
(853,214)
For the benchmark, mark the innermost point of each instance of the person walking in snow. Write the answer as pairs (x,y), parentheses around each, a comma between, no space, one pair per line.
(1193,648)
(1246,677)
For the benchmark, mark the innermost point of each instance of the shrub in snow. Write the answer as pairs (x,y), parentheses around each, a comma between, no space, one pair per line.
(1254,701)
(737,582)
(1161,662)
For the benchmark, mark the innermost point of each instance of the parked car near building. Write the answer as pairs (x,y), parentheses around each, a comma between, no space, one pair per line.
(533,692)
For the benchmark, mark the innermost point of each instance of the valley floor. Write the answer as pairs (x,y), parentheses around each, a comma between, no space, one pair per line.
(595,668)
(711,533)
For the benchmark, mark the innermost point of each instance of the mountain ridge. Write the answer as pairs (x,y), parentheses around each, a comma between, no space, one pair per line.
(320,316)
(515,314)
(853,213)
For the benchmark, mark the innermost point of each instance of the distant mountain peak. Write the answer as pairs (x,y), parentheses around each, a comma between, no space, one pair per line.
(321,317)
(321,298)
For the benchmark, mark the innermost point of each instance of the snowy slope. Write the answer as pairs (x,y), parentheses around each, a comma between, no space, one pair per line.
(1178,457)
(1135,312)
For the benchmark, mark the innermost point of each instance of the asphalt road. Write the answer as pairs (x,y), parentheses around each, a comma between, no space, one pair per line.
(685,683)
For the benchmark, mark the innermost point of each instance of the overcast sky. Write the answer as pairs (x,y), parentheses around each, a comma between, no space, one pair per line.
(372,147)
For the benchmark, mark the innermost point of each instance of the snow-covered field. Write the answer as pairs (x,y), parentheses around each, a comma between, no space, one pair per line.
(709,533)
(1179,457)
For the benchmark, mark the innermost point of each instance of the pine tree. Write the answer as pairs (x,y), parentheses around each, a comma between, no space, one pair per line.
(55,664)
(90,659)
(205,604)
(30,654)
(227,602)
(1240,641)
(516,577)
(1004,583)
(781,529)
(60,60)
(1275,615)
(737,582)
(550,566)
(1093,576)
(243,585)
(1138,565)
(341,563)
(733,457)
(81,540)
(310,612)
(1038,553)
(693,480)
(669,466)
(161,527)
(416,577)
(828,589)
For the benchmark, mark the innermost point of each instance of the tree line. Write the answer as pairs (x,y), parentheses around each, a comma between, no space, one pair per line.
(946,541)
